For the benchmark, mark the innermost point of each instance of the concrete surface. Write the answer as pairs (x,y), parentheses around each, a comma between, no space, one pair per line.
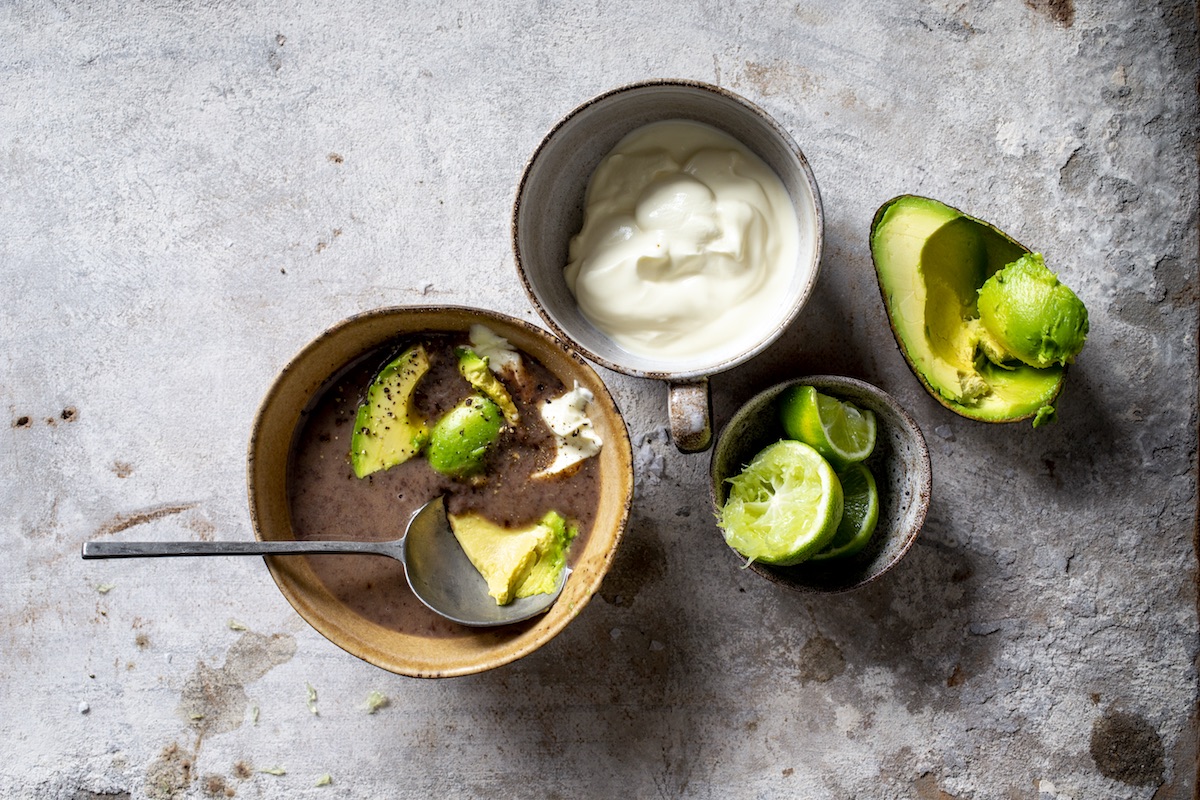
(191,191)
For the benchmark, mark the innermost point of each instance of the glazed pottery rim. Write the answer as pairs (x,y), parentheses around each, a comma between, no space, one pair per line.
(781,324)
(546,626)
(920,499)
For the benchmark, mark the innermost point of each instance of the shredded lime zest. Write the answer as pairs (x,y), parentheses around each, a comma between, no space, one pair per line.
(324,780)
(375,701)
(312,698)
(105,588)
(274,771)
(253,715)
(234,625)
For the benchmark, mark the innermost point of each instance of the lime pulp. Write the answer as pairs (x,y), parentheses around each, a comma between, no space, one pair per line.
(784,506)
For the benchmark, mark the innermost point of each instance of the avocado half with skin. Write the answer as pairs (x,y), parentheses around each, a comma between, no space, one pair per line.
(931,260)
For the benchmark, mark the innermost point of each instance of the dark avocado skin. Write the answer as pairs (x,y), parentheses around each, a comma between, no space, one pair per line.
(930,260)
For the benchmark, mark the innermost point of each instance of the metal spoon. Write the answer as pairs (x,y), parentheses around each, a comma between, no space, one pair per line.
(439,572)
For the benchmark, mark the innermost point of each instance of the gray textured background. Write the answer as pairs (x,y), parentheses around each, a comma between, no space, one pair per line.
(191,191)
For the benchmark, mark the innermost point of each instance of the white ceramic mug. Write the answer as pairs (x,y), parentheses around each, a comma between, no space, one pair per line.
(548,212)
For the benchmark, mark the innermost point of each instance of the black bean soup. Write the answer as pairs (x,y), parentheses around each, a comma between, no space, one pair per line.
(328,502)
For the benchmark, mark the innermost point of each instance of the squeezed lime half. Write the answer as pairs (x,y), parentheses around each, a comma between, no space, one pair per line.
(784,506)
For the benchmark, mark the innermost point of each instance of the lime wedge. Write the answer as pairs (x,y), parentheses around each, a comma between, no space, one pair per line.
(784,506)
(859,517)
(840,431)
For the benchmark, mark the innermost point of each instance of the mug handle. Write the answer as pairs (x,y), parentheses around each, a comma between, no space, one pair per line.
(689,410)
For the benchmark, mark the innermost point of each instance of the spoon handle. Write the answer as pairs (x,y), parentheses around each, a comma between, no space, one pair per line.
(140,549)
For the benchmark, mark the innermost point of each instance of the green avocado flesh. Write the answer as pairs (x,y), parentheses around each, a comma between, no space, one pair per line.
(388,430)
(1031,315)
(475,369)
(459,442)
(931,261)
(515,562)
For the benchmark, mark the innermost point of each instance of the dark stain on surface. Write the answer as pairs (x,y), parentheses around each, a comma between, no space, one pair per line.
(640,561)
(86,794)
(952,25)
(956,676)
(821,660)
(123,522)
(336,158)
(1127,748)
(22,422)
(926,788)
(778,77)
(122,469)
(324,243)
(1176,281)
(274,57)
(169,776)
(1061,12)
(215,786)
(69,414)
(242,771)
(203,527)
(214,699)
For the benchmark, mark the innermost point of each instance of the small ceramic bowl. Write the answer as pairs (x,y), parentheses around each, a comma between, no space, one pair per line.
(900,464)
(548,212)
(465,650)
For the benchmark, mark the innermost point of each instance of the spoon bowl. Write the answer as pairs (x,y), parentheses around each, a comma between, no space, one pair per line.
(445,580)
(438,571)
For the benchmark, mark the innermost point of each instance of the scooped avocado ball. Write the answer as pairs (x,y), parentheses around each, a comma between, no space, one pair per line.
(1031,316)
(459,442)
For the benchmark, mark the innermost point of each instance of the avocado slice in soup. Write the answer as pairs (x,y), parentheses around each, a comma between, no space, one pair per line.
(475,369)
(388,430)
(516,562)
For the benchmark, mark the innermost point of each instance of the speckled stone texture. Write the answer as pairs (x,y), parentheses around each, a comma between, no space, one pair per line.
(192,191)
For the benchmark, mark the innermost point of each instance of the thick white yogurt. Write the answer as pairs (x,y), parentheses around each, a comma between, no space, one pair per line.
(688,245)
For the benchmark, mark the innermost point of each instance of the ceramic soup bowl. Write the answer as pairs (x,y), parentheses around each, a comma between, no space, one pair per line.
(453,650)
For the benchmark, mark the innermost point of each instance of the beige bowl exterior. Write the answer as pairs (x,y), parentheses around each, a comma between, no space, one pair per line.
(474,650)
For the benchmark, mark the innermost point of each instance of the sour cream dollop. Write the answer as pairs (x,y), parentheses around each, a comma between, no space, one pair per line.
(688,245)
(575,438)
(502,357)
